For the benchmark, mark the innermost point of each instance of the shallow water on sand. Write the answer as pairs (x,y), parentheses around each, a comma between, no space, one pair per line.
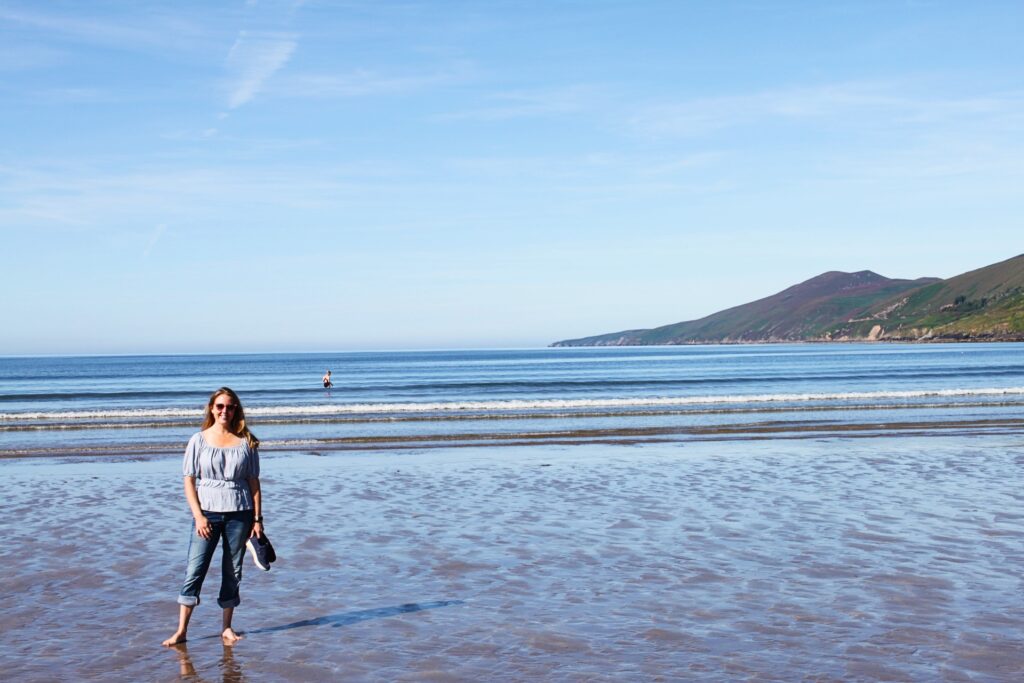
(819,560)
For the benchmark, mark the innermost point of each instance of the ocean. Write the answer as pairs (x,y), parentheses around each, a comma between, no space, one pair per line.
(138,405)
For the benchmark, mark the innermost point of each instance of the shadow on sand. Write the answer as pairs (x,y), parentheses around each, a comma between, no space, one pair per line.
(348,618)
(231,671)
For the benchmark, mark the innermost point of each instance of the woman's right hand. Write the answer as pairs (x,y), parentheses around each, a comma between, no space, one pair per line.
(203,527)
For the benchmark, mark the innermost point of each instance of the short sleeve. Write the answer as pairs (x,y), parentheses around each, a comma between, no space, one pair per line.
(253,462)
(190,464)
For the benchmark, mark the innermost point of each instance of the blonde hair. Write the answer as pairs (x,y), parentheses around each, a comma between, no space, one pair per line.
(237,426)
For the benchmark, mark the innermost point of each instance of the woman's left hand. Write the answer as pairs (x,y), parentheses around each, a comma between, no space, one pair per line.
(257,530)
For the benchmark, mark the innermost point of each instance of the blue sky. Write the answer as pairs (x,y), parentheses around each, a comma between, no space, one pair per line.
(287,176)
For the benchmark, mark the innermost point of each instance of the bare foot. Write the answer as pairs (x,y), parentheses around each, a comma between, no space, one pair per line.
(229,636)
(176,639)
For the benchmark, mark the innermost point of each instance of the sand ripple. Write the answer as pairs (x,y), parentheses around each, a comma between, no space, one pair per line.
(831,560)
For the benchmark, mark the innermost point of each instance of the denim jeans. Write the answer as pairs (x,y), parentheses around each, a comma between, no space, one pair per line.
(231,527)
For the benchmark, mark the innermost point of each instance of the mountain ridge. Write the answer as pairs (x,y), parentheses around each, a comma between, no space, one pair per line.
(983,304)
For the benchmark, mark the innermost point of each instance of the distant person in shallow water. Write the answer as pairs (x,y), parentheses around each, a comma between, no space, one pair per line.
(222,488)
(327,380)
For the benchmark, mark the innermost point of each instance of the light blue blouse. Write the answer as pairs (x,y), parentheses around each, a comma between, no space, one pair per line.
(221,474)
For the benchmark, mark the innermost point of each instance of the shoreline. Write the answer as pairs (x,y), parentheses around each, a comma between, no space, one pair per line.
(770,342)
(782,430)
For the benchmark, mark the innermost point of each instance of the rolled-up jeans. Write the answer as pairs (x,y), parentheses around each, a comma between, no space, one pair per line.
(231,527)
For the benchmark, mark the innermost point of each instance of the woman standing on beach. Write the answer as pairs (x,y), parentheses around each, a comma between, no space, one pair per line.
(222,488)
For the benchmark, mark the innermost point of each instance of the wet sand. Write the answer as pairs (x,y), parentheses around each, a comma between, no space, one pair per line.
(889,558)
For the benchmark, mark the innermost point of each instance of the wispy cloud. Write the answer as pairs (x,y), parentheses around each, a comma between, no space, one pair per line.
(75,196)
(856,103)
(171,31)
(84,29)
(366,82)
(22,56)
(531,103)
(595,167)
(56,95)
(153,239)
(253,59)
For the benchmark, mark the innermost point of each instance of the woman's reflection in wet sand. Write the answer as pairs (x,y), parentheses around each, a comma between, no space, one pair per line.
(230,669)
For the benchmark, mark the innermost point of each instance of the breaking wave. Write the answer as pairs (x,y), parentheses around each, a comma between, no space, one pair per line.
(515,405)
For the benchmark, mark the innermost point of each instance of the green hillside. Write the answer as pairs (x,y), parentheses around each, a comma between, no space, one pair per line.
(983,303)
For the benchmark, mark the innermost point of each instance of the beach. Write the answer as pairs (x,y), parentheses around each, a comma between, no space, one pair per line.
(819,559)
(548,342)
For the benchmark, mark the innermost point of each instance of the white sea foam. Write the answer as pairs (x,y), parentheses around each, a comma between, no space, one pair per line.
(520,405)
